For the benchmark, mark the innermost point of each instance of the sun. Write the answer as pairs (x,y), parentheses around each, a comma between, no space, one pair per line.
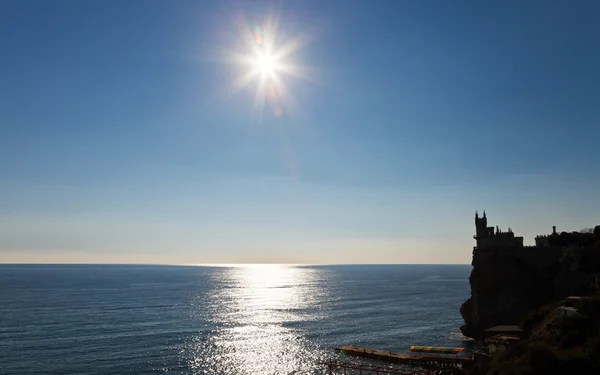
(266,64)
(266,61)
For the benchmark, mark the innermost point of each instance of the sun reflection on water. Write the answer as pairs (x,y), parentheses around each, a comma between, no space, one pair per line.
(257,312)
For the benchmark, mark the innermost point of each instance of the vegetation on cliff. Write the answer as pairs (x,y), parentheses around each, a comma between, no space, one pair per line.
(555,344)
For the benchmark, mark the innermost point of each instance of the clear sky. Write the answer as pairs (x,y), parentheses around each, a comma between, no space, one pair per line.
(129,134)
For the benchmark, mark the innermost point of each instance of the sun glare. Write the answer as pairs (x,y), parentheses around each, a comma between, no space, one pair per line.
(265,64)
(268,64)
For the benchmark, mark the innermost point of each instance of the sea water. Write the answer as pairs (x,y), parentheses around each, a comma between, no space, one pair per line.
(269,319)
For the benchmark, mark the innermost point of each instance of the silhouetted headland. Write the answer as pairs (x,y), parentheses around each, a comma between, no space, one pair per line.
(535,307)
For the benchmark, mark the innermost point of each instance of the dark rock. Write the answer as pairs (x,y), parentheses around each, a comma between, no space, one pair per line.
(509,283)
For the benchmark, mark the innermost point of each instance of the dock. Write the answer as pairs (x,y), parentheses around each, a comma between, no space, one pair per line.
(425,360)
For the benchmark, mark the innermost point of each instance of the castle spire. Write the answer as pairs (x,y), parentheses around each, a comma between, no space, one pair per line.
(484,213)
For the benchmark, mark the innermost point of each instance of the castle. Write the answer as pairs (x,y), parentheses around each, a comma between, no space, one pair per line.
(488,238)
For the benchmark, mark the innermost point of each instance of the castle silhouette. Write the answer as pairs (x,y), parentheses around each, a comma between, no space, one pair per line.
(486,237)
(490,237)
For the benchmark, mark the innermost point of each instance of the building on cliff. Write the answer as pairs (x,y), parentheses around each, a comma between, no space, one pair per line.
(572,239)
(501,343)
(546,240)
(487,237)
(490,237)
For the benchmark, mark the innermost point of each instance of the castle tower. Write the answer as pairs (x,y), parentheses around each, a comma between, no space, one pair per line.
(487,238)
(480,225)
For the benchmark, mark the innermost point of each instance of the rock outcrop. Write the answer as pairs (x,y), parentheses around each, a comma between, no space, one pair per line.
(509,283)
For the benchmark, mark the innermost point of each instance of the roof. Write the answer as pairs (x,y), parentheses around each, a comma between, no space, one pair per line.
(567,308)
(507,328)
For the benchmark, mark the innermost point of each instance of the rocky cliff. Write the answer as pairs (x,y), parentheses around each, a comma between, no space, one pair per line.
(508,283)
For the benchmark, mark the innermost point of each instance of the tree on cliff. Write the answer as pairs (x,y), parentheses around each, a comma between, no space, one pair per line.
(558,345)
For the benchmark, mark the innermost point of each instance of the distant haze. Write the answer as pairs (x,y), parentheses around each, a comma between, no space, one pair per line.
(353,132)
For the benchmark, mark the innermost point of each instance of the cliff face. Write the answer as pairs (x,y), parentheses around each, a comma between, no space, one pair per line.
(508,283)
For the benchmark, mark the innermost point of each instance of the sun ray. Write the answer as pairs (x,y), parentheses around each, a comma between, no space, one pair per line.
(264,60)
(259,97)
(298,71)
(294,45)
(283,96)
(243,81)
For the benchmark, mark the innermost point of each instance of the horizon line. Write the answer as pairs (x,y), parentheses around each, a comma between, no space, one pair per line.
(230,264)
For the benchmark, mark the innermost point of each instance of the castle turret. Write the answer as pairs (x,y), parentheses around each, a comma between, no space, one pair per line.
(486,237)
(480,225)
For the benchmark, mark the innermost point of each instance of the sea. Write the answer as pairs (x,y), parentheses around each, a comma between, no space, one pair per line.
(246,319)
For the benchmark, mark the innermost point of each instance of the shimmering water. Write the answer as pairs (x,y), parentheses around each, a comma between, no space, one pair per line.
(218,320)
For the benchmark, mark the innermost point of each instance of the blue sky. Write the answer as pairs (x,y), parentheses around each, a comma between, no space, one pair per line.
(121,139)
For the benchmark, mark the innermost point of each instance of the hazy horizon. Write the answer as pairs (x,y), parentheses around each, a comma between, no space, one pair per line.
(233,265)
(339,132)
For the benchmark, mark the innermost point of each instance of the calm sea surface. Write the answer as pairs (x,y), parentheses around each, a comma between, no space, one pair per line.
(77,319)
